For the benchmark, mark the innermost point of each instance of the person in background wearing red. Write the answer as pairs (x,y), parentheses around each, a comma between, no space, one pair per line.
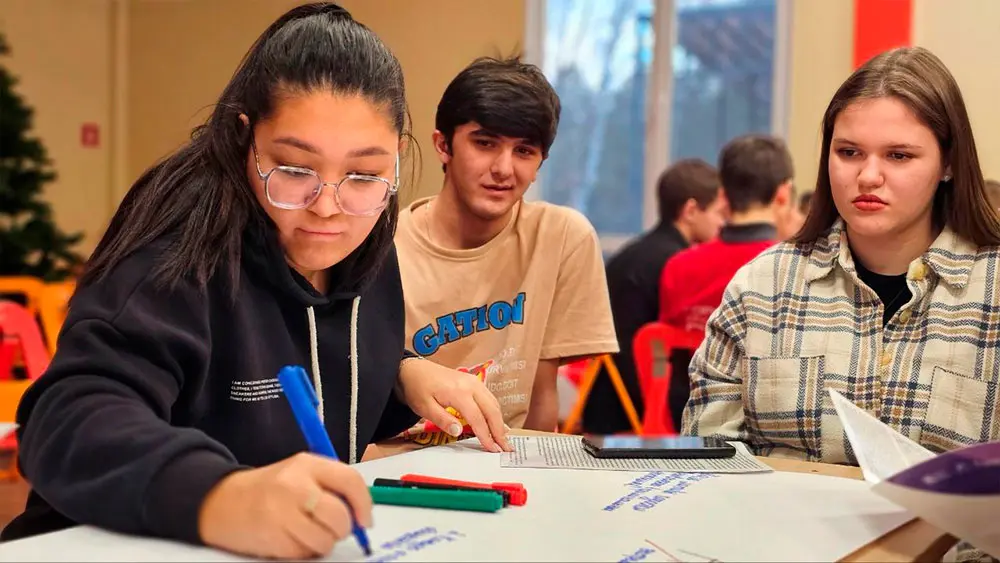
(756,173)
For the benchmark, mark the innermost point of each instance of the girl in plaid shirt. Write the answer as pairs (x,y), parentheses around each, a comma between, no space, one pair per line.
(888,294)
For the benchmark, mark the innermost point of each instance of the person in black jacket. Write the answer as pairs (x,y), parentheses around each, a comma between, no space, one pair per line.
(265,241)
(692,210)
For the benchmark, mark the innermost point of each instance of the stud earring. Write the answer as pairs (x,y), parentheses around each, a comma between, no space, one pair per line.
(946,178)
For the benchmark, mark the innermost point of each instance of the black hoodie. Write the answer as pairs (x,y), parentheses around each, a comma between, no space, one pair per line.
(155,395)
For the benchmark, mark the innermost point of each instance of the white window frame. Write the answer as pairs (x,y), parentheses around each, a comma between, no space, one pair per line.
(659,96)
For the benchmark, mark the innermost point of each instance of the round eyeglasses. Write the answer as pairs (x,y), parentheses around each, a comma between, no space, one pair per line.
(292,187)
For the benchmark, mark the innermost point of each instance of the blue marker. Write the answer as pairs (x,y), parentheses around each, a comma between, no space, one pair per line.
(302,398)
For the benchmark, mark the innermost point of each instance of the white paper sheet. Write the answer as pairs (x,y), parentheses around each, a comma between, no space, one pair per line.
(958,491)
(423,543)
(570,516)
(566,452)
(881,451)
(972,519)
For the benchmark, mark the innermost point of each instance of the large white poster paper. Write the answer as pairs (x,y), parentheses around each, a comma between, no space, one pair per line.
(571,516)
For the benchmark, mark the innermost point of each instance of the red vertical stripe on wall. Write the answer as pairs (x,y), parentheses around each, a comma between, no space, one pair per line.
(880,25)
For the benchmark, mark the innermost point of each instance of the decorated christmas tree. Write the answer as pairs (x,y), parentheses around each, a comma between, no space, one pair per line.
(30,242)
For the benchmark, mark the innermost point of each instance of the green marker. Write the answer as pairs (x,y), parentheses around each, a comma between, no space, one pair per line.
(477,501)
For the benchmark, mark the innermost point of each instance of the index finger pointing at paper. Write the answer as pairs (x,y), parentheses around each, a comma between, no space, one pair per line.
(472,413)
(490,408)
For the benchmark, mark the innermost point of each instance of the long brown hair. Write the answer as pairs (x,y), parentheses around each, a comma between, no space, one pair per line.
(914,76)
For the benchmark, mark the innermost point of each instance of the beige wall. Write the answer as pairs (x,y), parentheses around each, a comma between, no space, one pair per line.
(821,57)
(181,53)
(434,40)
(966,35)
(61,55)
(172,83)
(178,54)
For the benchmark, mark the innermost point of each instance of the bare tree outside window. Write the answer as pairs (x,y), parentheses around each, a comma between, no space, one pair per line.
(598,55)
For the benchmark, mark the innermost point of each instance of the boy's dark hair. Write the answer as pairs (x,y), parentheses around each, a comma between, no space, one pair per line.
(504,96)
(805,198)
(751,168)
(687,179)
(201,191)
(993,193)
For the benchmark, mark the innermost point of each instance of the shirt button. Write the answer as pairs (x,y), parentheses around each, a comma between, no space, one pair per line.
(905,316)
(918,271)
(886,359)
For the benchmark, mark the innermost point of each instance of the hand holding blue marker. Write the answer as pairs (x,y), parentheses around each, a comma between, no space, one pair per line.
(304,402)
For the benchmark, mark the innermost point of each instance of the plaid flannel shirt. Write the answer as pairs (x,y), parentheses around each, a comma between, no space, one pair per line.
(797,321)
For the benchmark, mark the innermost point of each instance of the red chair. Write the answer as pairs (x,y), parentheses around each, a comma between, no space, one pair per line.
(10,398)
(8,356)
(653,345)
(27,286)
(21,331)
(574,372)
(21,337)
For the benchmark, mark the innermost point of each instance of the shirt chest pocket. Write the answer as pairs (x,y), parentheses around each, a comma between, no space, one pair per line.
(783,404)
(961,410)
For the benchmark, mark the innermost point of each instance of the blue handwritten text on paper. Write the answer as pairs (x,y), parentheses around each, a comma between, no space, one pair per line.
(655,487)
(641,554)
(412,542)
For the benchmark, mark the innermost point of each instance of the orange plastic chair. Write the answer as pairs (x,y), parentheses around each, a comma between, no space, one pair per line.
(53,304)
(21,333)
(653,346)
(28,286)
(587,379)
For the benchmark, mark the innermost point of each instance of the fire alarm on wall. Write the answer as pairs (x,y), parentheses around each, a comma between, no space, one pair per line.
(90,135)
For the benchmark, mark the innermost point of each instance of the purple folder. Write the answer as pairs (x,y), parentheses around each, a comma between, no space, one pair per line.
(974,470)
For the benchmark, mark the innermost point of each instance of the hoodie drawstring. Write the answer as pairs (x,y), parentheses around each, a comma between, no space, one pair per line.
(318,381)
(354,378)
(314,356)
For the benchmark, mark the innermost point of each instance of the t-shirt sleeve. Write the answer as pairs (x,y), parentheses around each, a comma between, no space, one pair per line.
(580,323)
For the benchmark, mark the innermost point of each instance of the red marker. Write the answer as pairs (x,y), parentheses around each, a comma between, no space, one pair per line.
(518,494)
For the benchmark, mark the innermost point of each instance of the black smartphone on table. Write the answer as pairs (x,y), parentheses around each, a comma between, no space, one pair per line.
(672,447)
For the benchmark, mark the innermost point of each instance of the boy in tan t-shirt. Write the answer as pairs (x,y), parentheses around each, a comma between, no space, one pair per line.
(494,285)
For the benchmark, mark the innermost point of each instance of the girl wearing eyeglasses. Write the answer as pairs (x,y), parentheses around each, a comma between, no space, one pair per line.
(265,241)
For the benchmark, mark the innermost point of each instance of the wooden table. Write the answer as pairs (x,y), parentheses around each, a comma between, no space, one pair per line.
(914,541)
